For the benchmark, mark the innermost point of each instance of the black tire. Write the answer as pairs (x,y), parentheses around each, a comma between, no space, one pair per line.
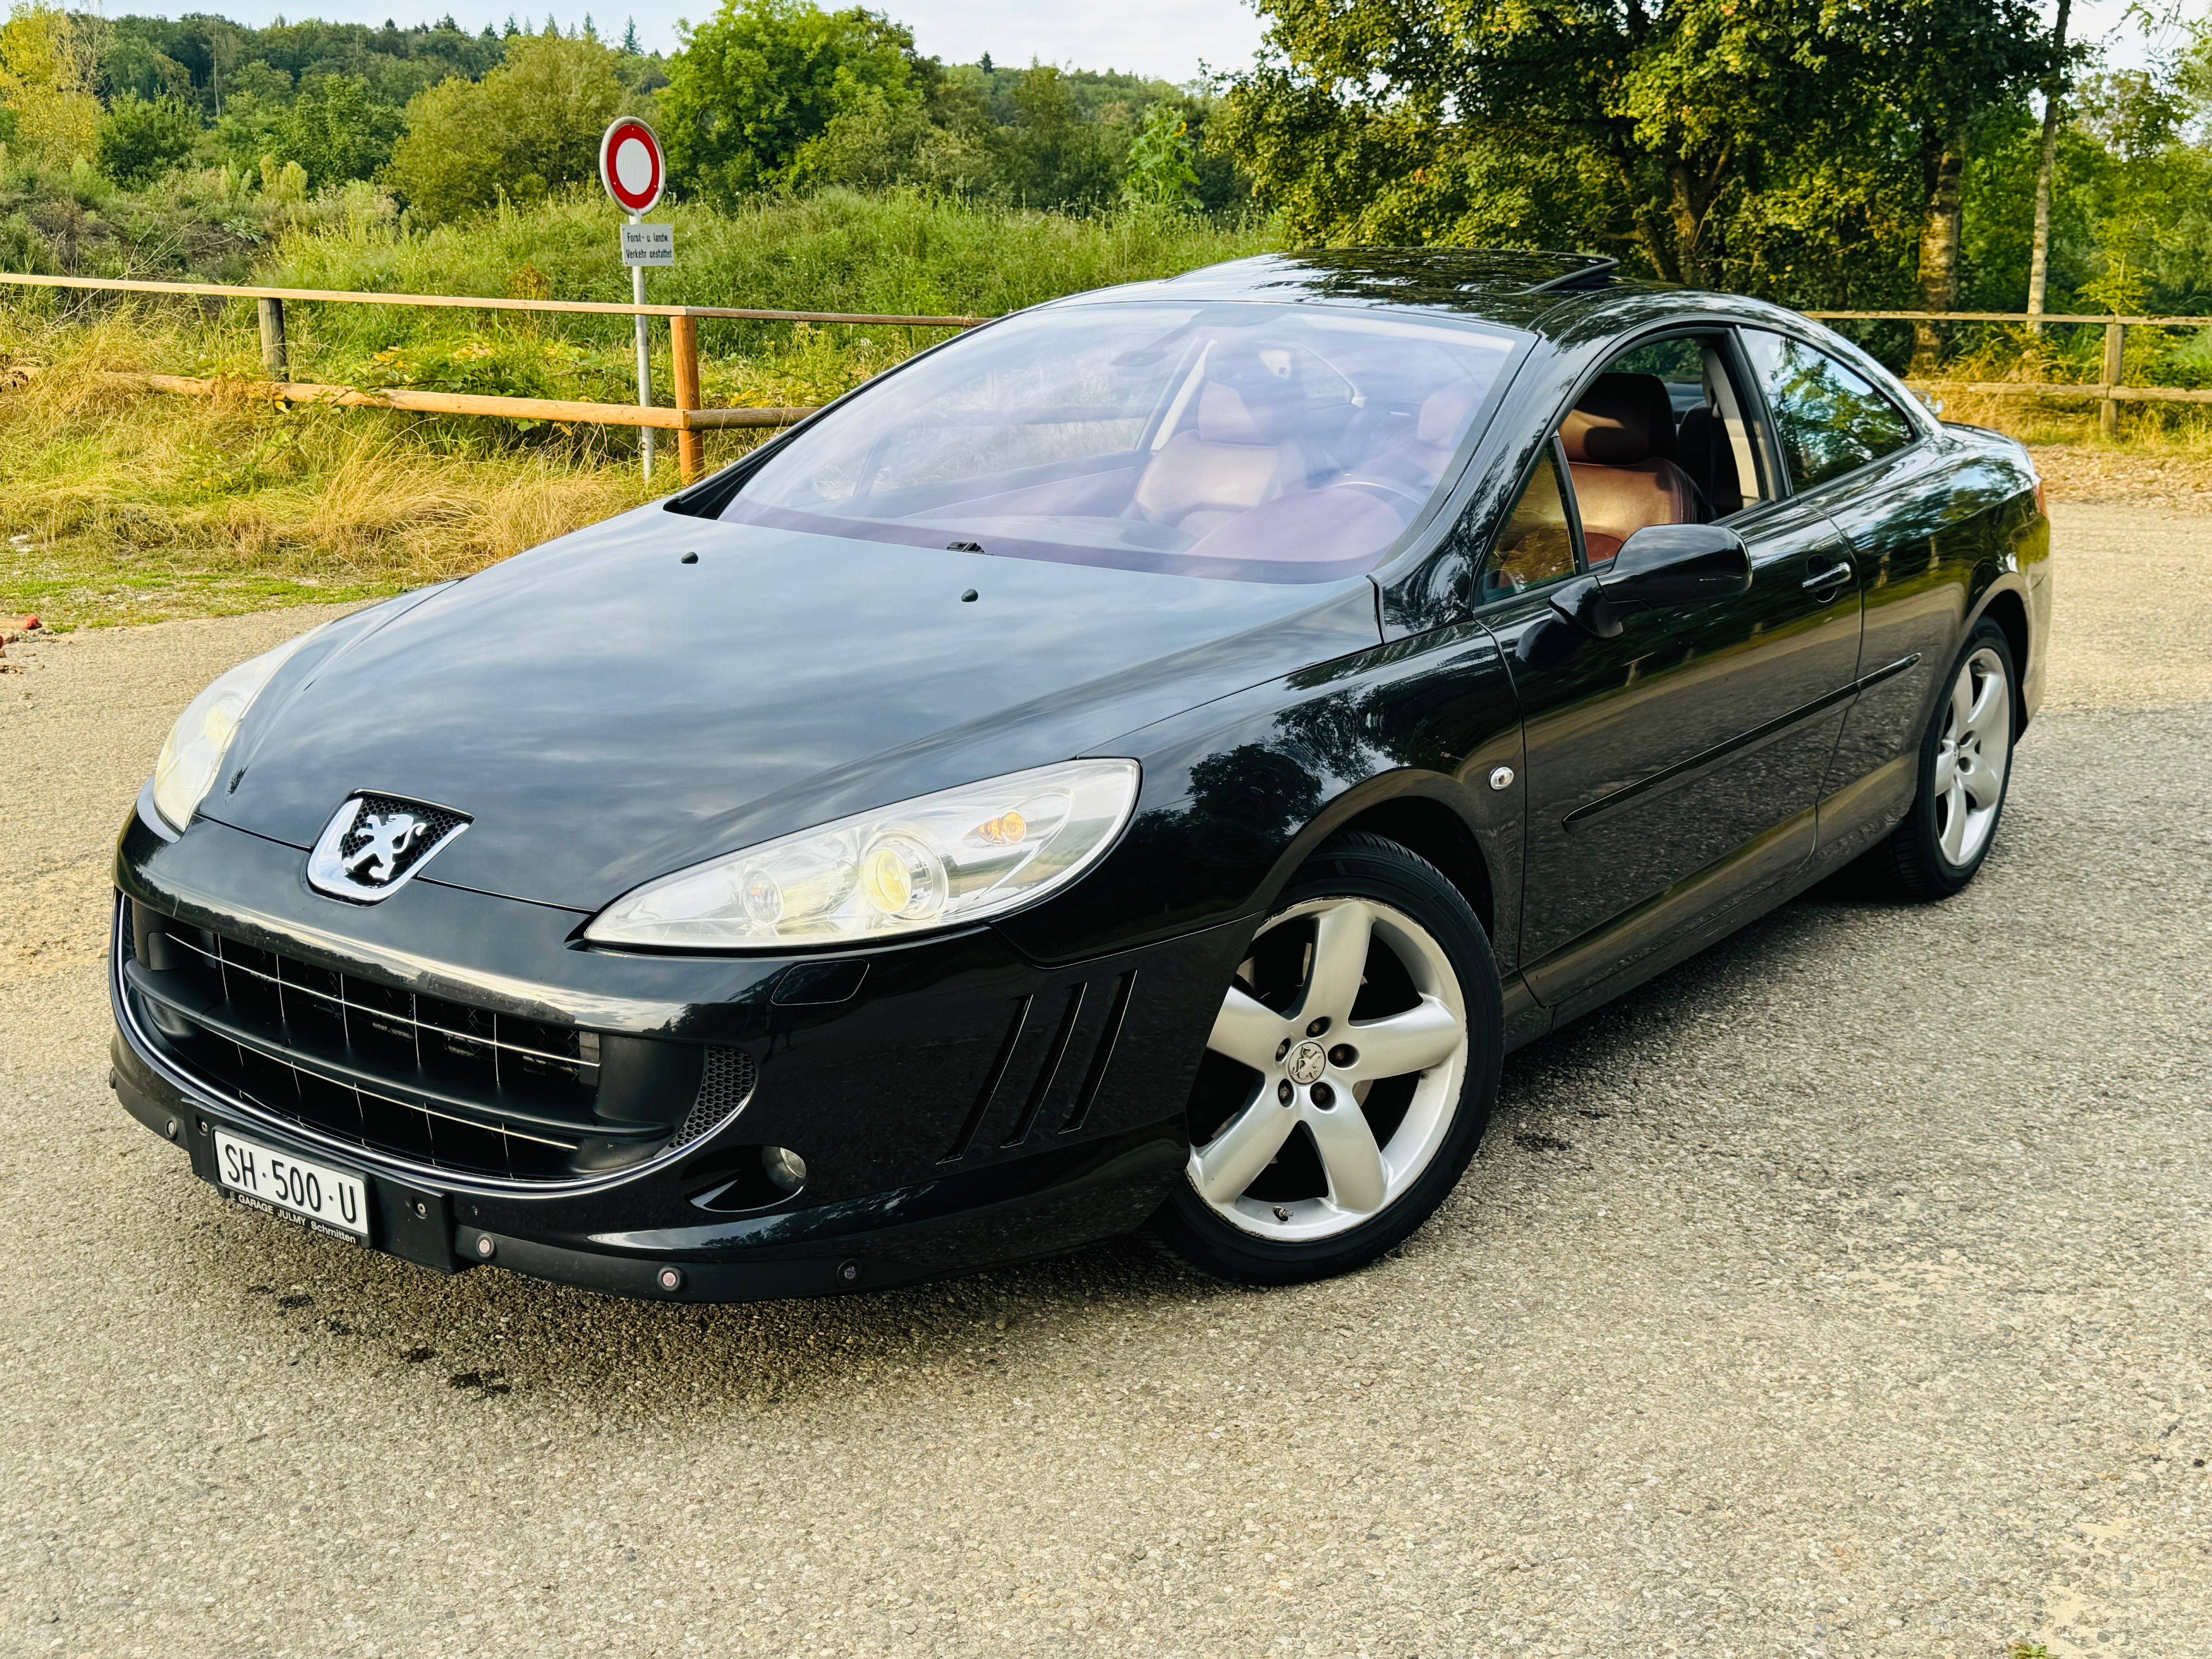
(1912,863)
(1368,867)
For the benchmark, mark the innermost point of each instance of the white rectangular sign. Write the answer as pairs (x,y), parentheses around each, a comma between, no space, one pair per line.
(649,245)
(330,1200)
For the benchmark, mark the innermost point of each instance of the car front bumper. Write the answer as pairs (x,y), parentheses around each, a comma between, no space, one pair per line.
(958,1106)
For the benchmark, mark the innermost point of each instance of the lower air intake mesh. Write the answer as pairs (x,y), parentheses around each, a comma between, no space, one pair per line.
(725,1087)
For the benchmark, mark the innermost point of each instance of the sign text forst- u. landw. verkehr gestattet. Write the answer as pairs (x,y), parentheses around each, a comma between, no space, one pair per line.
(649,245)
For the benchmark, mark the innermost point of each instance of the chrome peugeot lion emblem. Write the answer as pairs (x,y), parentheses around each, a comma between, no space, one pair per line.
(375,843)
(390,835)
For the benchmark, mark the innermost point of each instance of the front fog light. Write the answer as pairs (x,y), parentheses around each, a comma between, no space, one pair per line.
(786,1170)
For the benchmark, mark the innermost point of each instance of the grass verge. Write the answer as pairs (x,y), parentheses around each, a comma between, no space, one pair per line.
(119,506)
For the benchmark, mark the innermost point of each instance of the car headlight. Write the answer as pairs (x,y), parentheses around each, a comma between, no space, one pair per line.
(941,860)
(191,757)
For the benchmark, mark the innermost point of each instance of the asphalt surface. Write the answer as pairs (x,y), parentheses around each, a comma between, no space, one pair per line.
(1843,1292)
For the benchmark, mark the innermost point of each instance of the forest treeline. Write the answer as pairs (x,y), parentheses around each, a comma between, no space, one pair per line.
(1882,154)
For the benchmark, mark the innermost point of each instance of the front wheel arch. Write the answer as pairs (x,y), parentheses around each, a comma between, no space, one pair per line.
(1418,811)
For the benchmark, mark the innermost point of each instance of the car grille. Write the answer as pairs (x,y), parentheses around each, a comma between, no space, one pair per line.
(725,1085)
(431,1080)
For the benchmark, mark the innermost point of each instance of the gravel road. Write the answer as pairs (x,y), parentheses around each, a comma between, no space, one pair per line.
(1843,1292)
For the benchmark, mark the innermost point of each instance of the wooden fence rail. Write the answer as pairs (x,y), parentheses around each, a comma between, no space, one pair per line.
(481,302)
(2107,390)
(687,420)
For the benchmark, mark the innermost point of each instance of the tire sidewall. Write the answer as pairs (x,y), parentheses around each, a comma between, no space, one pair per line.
(1369,868)
(1947,876)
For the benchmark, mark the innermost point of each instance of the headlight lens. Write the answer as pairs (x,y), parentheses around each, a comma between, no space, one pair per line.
(939,861)
(193,754)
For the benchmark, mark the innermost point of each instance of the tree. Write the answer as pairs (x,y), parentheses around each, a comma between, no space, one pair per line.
(140,140)
(528,126)
(754,84)
(2054,94)
(132,63)
(336,130)
(876,143)
(1711,139)
(1946,67)
(1050,157)
(49,69)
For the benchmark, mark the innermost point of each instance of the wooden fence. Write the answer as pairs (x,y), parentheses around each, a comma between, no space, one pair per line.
(2108,390)
(688,420)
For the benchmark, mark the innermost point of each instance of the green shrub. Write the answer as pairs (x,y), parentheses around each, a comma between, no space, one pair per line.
(759,80)
(139,141)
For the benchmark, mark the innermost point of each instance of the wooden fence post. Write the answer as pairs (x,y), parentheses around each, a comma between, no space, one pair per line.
(684,354)
(272,338)
(2108,409)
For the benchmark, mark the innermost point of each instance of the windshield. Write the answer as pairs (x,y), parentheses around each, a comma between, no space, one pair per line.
(1263,442)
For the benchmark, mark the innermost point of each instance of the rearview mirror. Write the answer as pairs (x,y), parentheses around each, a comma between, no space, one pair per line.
(1678,564)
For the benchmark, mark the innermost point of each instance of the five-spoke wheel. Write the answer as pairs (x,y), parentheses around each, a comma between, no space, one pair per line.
(1346,1075)
(1966,762)
(1972,756)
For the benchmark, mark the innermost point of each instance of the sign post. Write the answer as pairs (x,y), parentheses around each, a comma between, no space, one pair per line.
(635,170)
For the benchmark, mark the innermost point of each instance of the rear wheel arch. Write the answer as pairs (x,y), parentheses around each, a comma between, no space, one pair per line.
(2008,609)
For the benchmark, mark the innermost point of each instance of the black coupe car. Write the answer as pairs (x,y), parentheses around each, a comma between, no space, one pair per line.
(1139,763)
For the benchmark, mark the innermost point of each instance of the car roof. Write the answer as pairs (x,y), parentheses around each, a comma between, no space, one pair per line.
(1545,293)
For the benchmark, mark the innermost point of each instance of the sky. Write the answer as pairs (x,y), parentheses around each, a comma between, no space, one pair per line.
(1172,40)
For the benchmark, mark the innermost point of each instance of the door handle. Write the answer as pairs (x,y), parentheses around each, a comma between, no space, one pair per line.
(1828,578)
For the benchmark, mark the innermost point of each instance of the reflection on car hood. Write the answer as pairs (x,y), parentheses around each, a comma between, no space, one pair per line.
(606,713)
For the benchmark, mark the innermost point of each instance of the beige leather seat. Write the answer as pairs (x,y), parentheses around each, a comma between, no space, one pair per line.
(1619,440)
(1237,455)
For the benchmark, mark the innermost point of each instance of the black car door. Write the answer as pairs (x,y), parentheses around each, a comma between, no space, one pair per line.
(1916,527)
(1674,770)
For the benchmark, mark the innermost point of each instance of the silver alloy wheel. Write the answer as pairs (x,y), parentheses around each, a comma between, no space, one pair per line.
(1317,1067)
(1972,757)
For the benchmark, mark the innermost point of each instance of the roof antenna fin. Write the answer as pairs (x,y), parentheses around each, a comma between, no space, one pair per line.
(1596,272)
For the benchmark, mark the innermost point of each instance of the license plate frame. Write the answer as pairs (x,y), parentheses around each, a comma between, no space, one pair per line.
(333,1202)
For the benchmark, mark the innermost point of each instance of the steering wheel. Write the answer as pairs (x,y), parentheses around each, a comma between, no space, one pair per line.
(1400,497)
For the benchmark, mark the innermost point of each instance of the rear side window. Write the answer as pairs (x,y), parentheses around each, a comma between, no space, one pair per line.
(1829,419)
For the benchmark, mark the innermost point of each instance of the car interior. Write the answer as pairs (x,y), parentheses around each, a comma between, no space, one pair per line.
(1290,445)
(1659,437)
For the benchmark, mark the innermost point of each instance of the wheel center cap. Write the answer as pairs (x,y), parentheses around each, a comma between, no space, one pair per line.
(1307,1062)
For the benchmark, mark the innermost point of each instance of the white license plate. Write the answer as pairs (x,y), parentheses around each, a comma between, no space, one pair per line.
(328,1200)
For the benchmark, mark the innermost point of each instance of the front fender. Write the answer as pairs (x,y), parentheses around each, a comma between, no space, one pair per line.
(1238,793)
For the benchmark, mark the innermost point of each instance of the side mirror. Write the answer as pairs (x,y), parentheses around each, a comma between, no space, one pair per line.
(1660,565)
(1678,564)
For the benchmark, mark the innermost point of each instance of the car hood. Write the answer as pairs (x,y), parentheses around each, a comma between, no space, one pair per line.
(606,712)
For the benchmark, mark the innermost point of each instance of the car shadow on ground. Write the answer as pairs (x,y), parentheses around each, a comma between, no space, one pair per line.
(491,1334)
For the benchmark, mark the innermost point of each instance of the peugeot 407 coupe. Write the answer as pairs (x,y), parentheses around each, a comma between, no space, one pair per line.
(1137,765)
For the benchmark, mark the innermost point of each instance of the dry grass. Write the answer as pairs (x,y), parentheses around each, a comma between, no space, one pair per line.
(123,506)
(2162,458)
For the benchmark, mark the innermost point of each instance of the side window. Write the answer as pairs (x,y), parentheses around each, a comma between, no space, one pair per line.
(1658,438)
(1536,546)
(1829,419)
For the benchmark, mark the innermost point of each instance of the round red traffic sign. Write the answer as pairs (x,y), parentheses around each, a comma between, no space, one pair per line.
(630,164)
